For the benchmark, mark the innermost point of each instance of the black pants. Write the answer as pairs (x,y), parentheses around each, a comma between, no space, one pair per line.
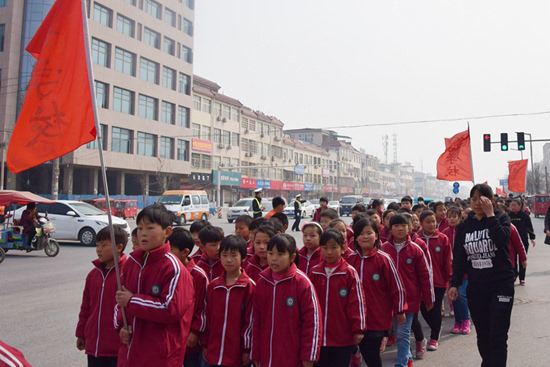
(102,361)
(30,235)
(416,328)
(490,309)
(518,262)
(370,350)
(335,356)
(296,224)
(433,317)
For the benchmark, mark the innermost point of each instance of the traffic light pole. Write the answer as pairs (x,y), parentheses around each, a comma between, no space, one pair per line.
(531,148)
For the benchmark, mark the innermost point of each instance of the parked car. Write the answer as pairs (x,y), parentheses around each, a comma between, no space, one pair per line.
(367,200)
(348,202)
(244,207)
(75,220)
(307,209)
(334,205)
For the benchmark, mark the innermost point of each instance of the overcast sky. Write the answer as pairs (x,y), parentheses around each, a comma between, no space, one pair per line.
(337,63)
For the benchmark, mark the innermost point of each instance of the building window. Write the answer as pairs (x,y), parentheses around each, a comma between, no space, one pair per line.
(169,46)
(226,137)
(100,51)
(227,112)
(3,3)
(252,125)
(196,130)
(244,123)
(148,107)
(168,112)
(169,78)
(217,109)
(206,133)
(236,114)
(217,135)
(206,105)
(244,145)
(187,54)
(125,25)
(197,103)
(101,94)
(206,161)
(121,140)
(187,27)
(195,160)
(260,127)
(170,17)
(148,70)
(183,116)
(235,140)
(166,147)
(123,100)
(93,144)
(125,62)
(146,144)
(183,150)
(132,2)
(190,4)
(153,8)
(151,38)
(184,84)
(2,36)
(103,15)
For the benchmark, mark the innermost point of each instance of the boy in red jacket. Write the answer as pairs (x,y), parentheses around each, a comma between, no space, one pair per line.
(158,296)
(211,237)
(181,244)
(228,333)
(415,275)
(95,332)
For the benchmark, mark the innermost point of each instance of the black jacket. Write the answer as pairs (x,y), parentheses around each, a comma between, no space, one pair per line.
(547,225)
(481,250)
(522,221)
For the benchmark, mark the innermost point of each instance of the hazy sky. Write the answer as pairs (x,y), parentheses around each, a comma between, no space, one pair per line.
(335,63)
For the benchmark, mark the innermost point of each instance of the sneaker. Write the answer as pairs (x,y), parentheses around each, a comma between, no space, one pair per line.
(356,359)
(421,348)
(457,328)
(451,313)
(409,363)
(383,344)
(391,341)
(466,327)
(522,282)
(433,345)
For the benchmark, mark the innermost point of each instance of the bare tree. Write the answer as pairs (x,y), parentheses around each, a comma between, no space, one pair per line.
(534,181)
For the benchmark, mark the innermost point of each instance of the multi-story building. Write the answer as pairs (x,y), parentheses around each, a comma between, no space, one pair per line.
(142,54)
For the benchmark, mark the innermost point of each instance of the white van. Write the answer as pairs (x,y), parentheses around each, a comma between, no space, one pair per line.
(187,205)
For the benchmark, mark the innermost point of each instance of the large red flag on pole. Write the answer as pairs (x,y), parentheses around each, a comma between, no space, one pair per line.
(57,116)
(517,171)
(455,163)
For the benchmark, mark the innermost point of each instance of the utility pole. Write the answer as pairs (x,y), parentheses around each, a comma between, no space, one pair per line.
(546,176)
(55,179)
(2,146)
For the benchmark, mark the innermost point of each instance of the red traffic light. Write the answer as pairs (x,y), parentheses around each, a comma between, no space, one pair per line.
(486,142)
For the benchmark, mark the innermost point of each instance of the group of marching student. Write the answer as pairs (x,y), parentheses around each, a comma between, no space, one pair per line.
(254,298)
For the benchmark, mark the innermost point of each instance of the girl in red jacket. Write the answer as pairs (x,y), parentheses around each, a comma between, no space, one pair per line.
(258,262)
(340,226)
(384,293)
(287,317)
(385,234)
(440,253)
(342,302)
(310,254)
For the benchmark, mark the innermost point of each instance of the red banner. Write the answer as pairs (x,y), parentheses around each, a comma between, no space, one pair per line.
(455,163)
(201,145)
(248,183)
(276,185)
(517,172)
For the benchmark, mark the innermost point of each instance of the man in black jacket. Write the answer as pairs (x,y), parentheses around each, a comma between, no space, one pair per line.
(297,212)
(257,204)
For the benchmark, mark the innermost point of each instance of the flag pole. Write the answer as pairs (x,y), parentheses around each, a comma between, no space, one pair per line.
(99,141)
(471,161)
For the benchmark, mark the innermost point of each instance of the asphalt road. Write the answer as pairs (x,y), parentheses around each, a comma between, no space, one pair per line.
(40,300)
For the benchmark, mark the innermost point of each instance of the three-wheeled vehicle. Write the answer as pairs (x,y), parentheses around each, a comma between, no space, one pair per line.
(101,204)
(126,208)
(540,204)
(12,236)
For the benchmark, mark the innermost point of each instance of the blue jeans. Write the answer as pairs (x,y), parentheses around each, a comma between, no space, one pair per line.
(403,338)
(460,305)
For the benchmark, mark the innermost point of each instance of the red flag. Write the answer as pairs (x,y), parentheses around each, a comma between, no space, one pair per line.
(499,191)
(455,163)
(57,116)
(517,171)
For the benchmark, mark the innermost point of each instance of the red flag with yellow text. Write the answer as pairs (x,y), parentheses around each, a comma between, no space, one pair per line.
(455,163)
(517,171)
(57,115)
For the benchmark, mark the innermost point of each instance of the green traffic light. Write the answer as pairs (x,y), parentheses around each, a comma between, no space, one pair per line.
(504,147)
(521,147)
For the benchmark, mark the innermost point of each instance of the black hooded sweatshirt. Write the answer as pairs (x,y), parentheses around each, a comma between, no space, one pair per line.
(481,250)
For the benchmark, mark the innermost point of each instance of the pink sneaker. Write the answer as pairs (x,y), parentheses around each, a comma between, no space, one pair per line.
(356,359)
(433,345)
(458,328)
(466,327)
(421,348)
(383,344)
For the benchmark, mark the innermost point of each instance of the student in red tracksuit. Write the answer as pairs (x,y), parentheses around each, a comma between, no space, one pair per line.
(95,332)
(384,293)
(181,245)
(415,274)
(228,334)
(310,254)
(252,228)
(442,270)
(258,262)
(211,237)
(342,302)
(195,228)
(440,211)
(339,225)
(158,297)
(287,317)
(385,234)
(462,317)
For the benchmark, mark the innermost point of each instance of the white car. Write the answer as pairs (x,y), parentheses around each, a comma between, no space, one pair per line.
(244,207)
(307,209)
(315,203)
(334,205)
(75,220)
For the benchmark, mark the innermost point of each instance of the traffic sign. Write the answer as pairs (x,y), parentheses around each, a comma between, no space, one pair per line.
(456,185)
(455,190)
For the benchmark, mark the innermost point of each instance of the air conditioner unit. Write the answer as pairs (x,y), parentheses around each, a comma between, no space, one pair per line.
(277,138)
(219,118)
(273,159)
(261,136)
(264,157)
(221,145)
(229,146)
(248,154)
(246,131)
(224,120)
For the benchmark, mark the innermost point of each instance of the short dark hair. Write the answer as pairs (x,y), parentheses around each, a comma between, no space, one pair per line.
(386,212)
(134,232)
(314,225)
(257,222)
(245,219)
(424,214)
(235,243)
(267,229)
(283,243)
(277,201)
(456,209)
(198,225)
(518,201)
(323,199)
(335,221)
(406,198)
(332,234)
(418,206)
(398,219)
(182,239)
(360,208)
(360,216)
(210,234)
(282,217)
(121,237)
(157,213)
(372,212)
(436,205)
(420,198)
(277,224)
(403,211)
(375,203)
(358,229)
(394,206)
(331,213)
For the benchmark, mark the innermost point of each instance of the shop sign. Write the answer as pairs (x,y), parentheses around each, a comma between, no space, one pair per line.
(201,145)
(299,170)
(264,184)
(200,178)
(308,187)
(228,178)
(248,183)
(326,172)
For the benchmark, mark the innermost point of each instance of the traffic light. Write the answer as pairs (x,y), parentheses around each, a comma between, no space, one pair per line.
(521,141)
(486,142)
(504,141)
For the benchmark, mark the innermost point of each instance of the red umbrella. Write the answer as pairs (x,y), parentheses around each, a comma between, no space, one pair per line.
(8,197)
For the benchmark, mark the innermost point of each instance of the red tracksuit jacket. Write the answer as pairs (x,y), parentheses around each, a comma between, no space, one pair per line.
(229,321)
(342,303)
(516,246)
(441,256)
(200,284)
(287,320)
(213,271)
(305,265)
(160,310)
(450,232)
(253,268)
(383,288)
(413,268)
(95,321)
(442,225)
(384,235)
